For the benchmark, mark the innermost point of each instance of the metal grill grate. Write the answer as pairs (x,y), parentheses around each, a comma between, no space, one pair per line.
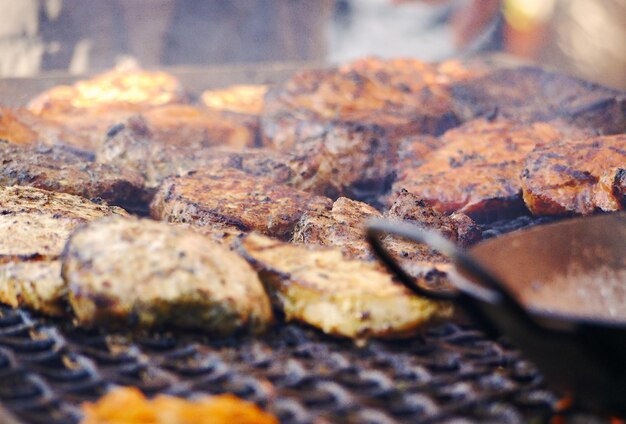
(449,373)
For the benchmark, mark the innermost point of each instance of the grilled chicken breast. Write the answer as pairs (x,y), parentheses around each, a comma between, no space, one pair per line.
(243,99)
(151,274)
(34,227)
(528,94)
(476,170)
(235,199)
(339,296)
(62,169)
(132,146)
(354,117)
(576,177)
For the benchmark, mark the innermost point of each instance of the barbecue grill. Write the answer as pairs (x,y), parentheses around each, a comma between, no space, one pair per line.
(451,372)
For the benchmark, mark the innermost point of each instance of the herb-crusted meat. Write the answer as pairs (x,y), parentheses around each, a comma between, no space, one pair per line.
(576,177)
(151,274)
(236,199)
(340,296)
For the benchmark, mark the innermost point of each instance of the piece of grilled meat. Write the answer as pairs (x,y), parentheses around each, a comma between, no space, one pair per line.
(529,94)
(132,146)
(86,110)
(63,169)
(354,117)
(235,199)
(343,227)
(476,170)
(34,226)
(340,296)
(242,99)
(144,273)
(576,177)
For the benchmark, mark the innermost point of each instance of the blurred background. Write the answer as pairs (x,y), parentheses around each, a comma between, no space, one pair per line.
(580,37)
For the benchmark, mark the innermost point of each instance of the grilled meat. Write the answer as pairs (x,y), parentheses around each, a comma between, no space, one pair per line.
(243,99)
(133,146)
(128,88)
(576,177)
(476,171)
(343,227)
(35,284)
(235,199)
(34,226)
(340,296)
(35,223)
(354,117)
(21,126)
(62,169)
(457,227)
(529,94)
(152,274)
(86,110)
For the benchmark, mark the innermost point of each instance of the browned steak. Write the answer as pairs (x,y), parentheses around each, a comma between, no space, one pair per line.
(133,146)
(576,177)
(235,199)
(529,94)
(477,168)
(354,117)
(62,169)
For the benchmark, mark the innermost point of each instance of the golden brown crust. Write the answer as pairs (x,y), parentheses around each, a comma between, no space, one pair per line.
(340,296)
(235,199)
(61,169)
(243,99)
(356,115)
(127,88)
(151,274)
(576,177)
(127,405)
(476,171)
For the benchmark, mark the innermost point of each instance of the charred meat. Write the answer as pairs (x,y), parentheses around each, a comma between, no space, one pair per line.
(62,169)
(476,171)
(151,274)
(576,177)
(235,199)
(355,116)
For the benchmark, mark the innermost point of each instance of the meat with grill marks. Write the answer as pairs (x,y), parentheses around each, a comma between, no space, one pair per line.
(133,146)
(65,170)
(340,296)
(576,177)
(529,94)
(151,274)
(355,116)
(477,168)
(235,199)
(34,227)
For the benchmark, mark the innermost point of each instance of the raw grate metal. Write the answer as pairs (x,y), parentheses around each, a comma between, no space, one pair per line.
(451,373)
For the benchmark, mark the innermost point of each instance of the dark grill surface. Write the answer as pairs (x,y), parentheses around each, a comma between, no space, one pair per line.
(449,373)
